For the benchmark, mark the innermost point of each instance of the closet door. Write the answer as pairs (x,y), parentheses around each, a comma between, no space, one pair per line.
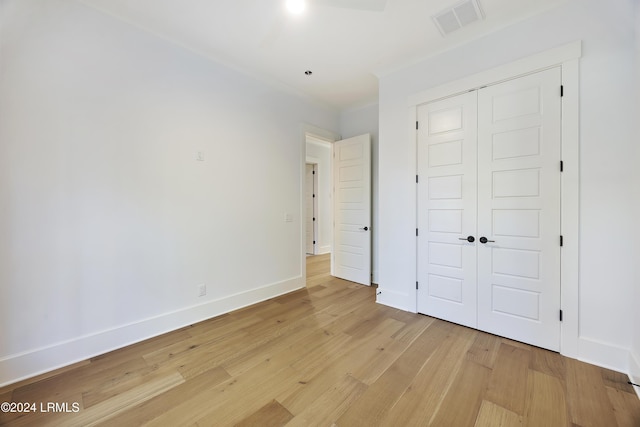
(447,139)
(519,148)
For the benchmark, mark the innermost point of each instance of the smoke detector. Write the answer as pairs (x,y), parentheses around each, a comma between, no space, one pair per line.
(458,16)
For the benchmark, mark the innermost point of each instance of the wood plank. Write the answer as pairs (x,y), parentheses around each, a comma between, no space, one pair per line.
(143,412)
(82,379)
(113,385)
(484,349)
(38,378)
(546,404)
(273,414)
(320,371)
(462,402)
(548,362)
(508,384)
(300,340)
(104,410)
(492,415)
(383,394)
(422,398)
(331,404)
(616,380)
(587,398)
(412,328)
(625,407)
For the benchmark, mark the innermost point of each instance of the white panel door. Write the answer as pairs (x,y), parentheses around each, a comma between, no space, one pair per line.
(519,149)
(447,140)
(352,209)
(310,208)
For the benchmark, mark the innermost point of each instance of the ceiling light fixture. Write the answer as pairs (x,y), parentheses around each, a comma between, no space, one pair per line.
(295,7)
(308,72)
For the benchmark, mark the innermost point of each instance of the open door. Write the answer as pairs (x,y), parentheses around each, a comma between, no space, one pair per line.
(352,209)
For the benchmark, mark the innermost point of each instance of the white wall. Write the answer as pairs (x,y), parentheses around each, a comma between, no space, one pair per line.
(108,222)
(607,140)
(358,122)
(320,152)
(634,361)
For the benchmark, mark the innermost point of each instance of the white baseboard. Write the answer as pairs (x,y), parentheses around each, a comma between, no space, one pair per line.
(603,354)
(394,299)
(634,371)
(28,364)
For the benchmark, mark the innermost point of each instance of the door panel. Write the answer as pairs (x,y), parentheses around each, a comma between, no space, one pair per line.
(352,209)
(519,146)
(447,209)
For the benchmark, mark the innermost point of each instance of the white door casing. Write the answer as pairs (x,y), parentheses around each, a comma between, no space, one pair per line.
(447,208)
(352,209)
(516,272)
(519,151)
(310,220)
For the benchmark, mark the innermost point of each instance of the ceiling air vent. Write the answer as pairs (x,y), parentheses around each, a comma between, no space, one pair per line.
(458,16)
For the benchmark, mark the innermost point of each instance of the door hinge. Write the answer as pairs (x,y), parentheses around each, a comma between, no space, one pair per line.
(416,231)
(314,196)
(561,315)
(561,90)
(314,242)
(314,219)
(416,285)
(416,179)
(561,166)
(561,241)
(416,125)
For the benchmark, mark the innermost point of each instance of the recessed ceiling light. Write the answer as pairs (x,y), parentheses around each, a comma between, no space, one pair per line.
(295,7)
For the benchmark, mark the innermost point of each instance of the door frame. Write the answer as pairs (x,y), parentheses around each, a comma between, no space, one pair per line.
(313,162)
(316,132)
(567,57)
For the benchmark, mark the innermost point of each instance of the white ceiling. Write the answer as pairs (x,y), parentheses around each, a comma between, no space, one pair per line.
(344,47)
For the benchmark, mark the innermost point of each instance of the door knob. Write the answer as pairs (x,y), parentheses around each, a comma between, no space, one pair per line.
(469,239)
(365,228)
(484,240)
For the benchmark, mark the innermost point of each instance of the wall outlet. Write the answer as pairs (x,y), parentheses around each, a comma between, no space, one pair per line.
(202,290)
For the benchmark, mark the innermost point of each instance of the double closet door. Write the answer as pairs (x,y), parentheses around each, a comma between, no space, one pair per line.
(489,209)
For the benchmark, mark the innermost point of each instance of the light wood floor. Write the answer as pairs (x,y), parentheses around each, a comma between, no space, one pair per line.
(328,355)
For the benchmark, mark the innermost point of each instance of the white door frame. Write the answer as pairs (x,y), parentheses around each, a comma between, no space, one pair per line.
(322,134)
(314,225)
(567,57)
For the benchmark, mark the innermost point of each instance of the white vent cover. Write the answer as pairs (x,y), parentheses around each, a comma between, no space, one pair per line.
(458,16)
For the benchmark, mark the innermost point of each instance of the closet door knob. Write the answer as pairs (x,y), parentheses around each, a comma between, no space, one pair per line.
(484,240)
(469,239)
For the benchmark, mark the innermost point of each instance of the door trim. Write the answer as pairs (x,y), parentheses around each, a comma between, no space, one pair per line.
(307,129)
(567,57)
